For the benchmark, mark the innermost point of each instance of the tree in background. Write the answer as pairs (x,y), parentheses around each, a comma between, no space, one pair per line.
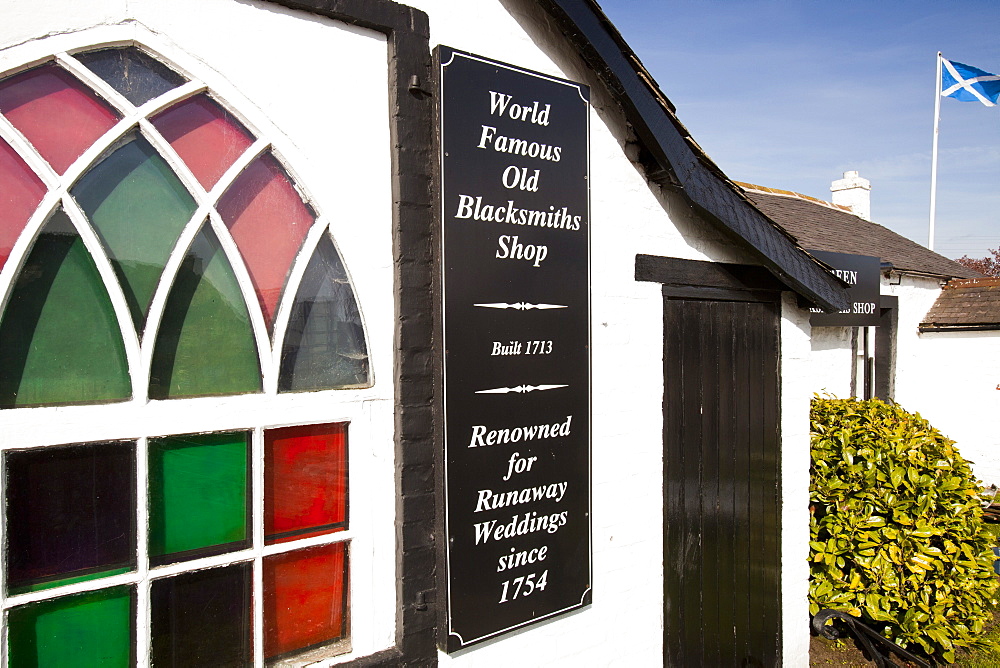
(990,266)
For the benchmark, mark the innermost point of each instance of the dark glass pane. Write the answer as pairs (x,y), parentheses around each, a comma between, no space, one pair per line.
(305,481)
(56,113)
(305,599)
(136,75)
(207,138)
(268,221)
(202,618)
(325,343)
(138,207)
(197,495)
(70,514)
(91,630)
(59,338)
(205,345)
(20,192)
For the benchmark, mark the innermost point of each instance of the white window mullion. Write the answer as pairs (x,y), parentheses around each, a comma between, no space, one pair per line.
(215,561)
(103,88)
(19,252)
(163,287)
(295,180)
(222,233)
(119,101)
(103,263)
(292,282)
(129,578)
(242,273)
(257,531)
(343,536)
(82,164)
(179,167)
(3,571)
(241,163)
(171,97)
(23,147)
(142,612)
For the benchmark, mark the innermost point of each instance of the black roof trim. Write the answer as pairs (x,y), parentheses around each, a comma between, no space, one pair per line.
(682,164)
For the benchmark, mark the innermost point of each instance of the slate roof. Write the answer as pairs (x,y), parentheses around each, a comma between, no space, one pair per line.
(968,304)
(819,225)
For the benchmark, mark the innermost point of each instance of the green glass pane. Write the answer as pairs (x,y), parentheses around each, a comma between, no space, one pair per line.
(197,495)
(79,631)
(59,338)
(205,345)
(138,207)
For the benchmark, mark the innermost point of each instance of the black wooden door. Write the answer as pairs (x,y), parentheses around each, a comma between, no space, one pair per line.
(721,524)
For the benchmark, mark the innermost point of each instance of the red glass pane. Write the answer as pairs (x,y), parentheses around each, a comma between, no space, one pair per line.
(305,598)
(20,193)
(207,138)
(56,113)
(305,481)
(268,220)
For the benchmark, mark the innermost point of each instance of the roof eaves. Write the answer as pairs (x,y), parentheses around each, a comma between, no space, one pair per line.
(671,146)
(927,327)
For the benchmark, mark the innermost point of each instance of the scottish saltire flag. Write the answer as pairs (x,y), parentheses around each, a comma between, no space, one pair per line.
(969,84)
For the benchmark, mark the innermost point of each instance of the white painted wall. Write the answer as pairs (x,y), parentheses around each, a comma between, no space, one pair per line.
(957,391)
(950,378)
(830,361)
(798,368)
(303,78)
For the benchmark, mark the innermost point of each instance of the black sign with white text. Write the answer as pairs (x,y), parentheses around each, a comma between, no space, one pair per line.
(516,322)
(861,273)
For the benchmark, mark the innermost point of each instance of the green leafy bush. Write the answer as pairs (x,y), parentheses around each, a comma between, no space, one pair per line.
(897,536)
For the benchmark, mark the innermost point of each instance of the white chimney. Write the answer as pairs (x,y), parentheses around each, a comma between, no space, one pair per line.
(854,192)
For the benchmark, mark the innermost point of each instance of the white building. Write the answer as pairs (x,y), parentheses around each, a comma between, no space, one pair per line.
(960,388)
(934,352)
(221,371)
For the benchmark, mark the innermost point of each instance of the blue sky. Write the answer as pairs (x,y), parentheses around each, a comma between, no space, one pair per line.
(790,94)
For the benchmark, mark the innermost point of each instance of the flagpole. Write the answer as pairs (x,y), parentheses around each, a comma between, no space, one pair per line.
(934,153)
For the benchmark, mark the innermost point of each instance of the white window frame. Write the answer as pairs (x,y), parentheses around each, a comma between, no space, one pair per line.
(368,411)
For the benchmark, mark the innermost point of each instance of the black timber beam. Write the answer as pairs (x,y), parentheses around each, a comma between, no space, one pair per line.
(716,281)
(671,147)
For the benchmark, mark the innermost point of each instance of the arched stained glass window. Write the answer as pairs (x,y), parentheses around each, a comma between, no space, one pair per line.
(202,227)
(154,246)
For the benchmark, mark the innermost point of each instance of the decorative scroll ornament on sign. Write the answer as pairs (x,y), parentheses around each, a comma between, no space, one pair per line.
(520,306)
(520,389)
